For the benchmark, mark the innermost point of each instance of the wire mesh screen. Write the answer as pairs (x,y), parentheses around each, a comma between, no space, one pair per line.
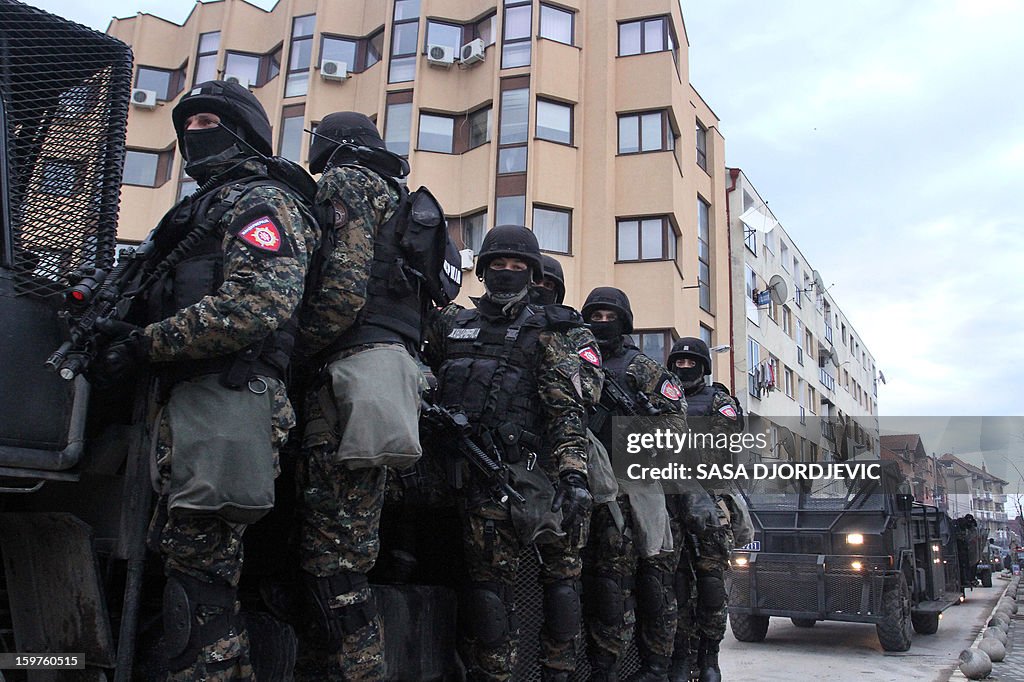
(65,105)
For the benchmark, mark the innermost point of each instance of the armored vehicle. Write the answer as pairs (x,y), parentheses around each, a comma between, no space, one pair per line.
(856,550)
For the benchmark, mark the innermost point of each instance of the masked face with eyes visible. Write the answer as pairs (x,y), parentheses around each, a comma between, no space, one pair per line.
(507,280)
(689,370)
(208,145)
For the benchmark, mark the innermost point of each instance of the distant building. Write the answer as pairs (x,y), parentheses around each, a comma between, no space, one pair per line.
(970,490)
(799,362)
(923,471)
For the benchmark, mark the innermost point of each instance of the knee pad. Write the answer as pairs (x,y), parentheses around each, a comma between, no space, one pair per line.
(185,600)
(711,589)
(607,600)
(654,591)
(562,615)
(331,625)
(682,582)
(485,615)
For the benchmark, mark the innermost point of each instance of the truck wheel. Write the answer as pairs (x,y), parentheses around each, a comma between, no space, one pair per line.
(804,622)
(925,623)
(986,577)
(748,628)
(894,632)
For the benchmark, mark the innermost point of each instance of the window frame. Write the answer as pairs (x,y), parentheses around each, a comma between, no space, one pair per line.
(702,146)
(200,55)
(63,176)
(668,338)
(290,112)
(458,226)
(293,41)
(704,262)
(668,37)
(554,8)
(451,132)
(400,98)
(513,85)
(667,226)
(572,120)
(162,172)
(403,59)
(519,40)
(264,74)
(667,133)
(175,81)
(561,210)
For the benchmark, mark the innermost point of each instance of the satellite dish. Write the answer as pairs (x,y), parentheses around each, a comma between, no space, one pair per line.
(777,289)
(788,441)
(833,357)
(818,284)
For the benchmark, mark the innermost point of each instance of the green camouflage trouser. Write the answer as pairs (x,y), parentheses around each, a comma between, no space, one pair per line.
(612,610)
(492,551)
(340,533)
(698,618)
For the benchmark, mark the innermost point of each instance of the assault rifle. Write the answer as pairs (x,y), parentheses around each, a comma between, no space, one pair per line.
(455,427)
(617,401)
(94,295)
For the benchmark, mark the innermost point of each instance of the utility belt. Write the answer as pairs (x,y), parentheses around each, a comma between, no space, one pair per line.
(236,371)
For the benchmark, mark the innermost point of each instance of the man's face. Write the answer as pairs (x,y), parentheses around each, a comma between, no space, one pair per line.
(684,363)
(202,121)
(508,263)
(602,315)
(548,283)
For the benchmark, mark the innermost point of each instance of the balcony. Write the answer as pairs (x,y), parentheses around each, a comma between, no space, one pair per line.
(827,380)
(828,430)
(999,497)
(828,333)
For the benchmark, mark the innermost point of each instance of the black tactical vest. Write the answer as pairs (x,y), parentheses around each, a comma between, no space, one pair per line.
(490,370)
(698,404)
(618,363)
(393,309)
(200,272)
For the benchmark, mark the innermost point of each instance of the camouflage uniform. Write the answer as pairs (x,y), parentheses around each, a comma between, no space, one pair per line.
(341,506)
(707,545)
(644,583)
(259,293)
(491,542)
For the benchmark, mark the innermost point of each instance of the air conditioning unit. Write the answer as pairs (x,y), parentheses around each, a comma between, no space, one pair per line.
(472,52)
(241,80)
(466,255)
(440,55)
(144,99)
(333,70)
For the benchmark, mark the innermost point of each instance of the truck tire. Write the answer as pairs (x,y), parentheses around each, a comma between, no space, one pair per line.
(985,575)
(894,632)
(748,628)
(925,623)
(804,622)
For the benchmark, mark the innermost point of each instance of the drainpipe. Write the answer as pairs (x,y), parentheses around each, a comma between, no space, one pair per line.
(734,173)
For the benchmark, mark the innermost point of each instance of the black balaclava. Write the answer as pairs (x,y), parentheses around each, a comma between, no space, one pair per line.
(209,150)
(690,375)
(507,287)
(543,296)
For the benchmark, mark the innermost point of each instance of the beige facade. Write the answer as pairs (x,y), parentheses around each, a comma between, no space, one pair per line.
(596,139)
(799,362)
(973,490)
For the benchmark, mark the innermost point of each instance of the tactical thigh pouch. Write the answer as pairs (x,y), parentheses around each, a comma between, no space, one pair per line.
(652,530)
(375,408)
(600,476)
(222,457)
(533,520)
(197,614)
(331,625)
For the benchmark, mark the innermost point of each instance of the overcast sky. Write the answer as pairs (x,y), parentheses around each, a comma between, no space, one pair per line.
(887,138)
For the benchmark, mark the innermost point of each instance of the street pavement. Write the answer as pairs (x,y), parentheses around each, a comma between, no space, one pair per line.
(850,651)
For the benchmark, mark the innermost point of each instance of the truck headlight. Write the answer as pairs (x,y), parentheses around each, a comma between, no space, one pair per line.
(856,565)
(854,539)
(740,561)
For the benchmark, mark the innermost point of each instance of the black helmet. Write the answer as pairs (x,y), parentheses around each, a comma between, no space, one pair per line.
(343,126)
(689,347)
(234,104)
(610,298)
(553,269)
(513,241)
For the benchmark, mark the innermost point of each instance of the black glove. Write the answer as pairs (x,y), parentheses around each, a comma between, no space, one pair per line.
(572,496)
(122,348)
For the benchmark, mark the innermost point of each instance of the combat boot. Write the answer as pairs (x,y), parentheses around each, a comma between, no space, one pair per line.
(684,662)
(603,667)
(709,670)
(552,675)
(654,669)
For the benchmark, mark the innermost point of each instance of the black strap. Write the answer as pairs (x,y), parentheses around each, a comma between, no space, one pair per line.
(489,413)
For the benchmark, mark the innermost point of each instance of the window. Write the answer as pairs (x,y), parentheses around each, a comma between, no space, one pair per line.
(299,56)
(705,335)
(165,82)
(145,168)
(553,227)
(404,41)
(799,341)
(809,344)
(256,69)
(750,281)
(435,133)
(469,230)
(358,54)
(702,146)
(787,321)
(478,127)
(510,210)
(554,121)
(450,35)
(486,29)
(290,142)
(645,36)
(556,24)
(515,46)
(704,253)
(646,239)
(206,57)
(512,131)
(63,177)
(784,255)
(812,398)
(398,125)
(655,344)
(645,132)
(788,382)
(186,185)
(753,364)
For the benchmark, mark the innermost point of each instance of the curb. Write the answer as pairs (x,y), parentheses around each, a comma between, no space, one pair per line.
(956,674)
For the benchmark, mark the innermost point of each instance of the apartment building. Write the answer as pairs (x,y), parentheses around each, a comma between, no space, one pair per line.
(973,490)
(800,364)
(576,119)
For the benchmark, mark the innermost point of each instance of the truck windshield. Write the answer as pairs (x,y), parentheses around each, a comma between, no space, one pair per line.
(829,494)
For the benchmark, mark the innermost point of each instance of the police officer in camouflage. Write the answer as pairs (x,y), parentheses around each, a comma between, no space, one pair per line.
(701,571)
(361,330)
(217,329)
(629,573)
(511,369)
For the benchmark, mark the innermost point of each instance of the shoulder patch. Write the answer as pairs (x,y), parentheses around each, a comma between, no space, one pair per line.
(591,355)
(729,411)
(260,228)
(340,213)
(670,390)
